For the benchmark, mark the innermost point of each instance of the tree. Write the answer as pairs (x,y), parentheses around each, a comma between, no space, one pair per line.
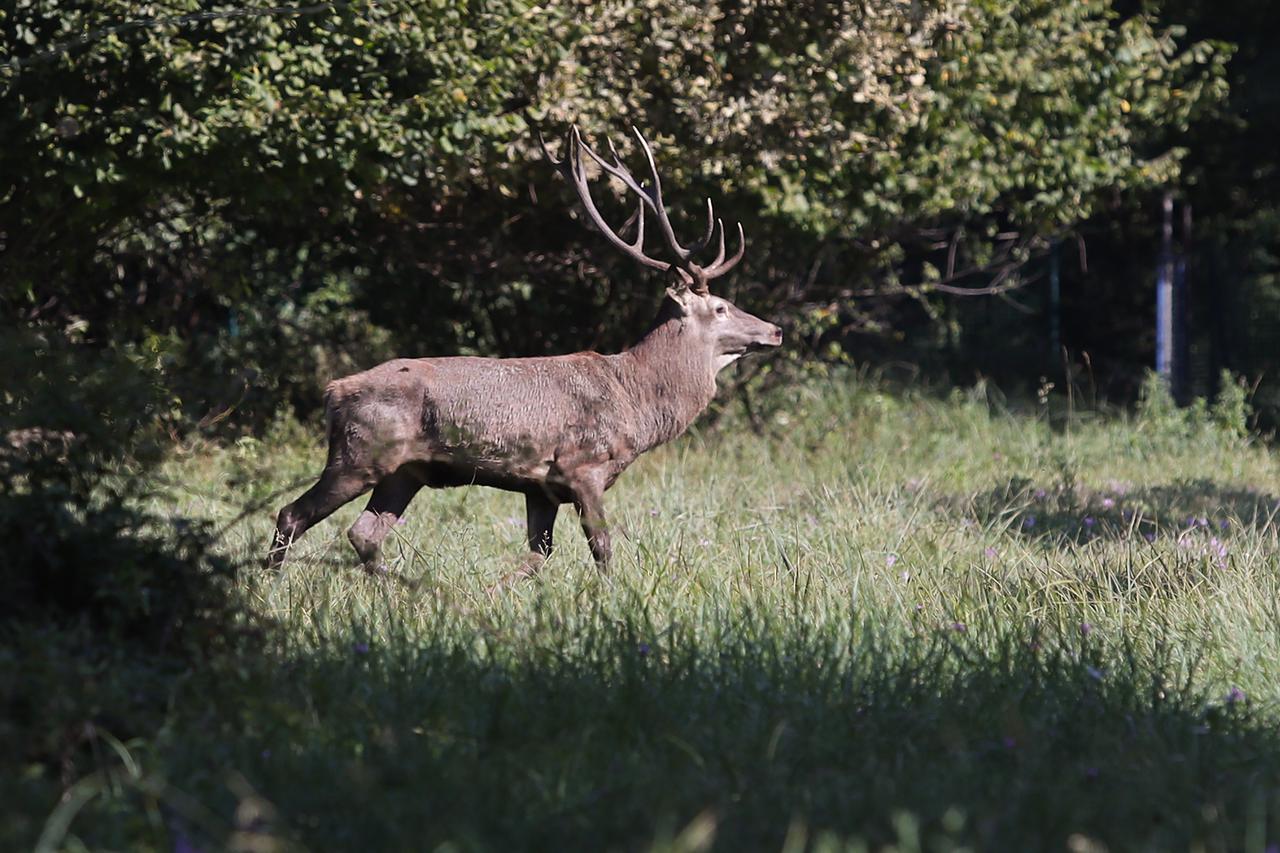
(250,193)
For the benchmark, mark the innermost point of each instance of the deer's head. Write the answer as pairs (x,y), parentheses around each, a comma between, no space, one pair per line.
(726,331)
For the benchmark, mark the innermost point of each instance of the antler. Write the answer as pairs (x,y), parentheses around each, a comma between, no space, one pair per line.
(692,274)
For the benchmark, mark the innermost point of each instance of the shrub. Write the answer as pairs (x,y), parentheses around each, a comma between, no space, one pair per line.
(81,428)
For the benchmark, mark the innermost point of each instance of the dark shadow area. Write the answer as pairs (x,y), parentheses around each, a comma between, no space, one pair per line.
(1062,516)
(106,604)
(614,738)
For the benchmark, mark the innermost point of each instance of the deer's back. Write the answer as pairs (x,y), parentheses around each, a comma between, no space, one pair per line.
(524,417)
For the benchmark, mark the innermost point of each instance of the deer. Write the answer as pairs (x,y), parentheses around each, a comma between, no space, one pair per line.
(557,429)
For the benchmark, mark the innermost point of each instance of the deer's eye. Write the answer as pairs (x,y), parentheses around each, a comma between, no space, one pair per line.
(721,310)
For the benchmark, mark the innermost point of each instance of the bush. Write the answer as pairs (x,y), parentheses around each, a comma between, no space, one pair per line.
(81,428)
(1226,419)
(237,192)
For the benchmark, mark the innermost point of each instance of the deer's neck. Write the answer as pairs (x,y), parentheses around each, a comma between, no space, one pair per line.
(671,379)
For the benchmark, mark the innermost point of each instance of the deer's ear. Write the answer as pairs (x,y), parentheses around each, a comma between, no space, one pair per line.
(680,296)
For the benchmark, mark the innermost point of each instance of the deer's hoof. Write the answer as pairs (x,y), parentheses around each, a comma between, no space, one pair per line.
(528,569)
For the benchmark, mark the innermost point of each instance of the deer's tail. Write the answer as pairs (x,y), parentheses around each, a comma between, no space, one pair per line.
(332,403)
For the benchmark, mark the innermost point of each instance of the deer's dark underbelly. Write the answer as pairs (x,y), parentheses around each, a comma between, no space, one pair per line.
(445,475)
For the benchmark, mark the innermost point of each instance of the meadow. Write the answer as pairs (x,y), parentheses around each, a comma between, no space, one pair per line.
(887,620)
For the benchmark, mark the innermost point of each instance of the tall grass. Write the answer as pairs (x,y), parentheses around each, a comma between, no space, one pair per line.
(893,620)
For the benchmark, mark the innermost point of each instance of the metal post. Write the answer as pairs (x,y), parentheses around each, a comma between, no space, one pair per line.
(1164,295)
(1182,313)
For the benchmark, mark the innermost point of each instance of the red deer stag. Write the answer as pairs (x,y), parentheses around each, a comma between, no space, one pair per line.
(558,429)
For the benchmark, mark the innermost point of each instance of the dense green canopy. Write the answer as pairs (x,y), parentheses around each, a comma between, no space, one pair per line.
(265,197)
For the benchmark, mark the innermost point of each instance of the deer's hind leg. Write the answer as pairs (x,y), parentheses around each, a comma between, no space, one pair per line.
(388,502)
(336,486)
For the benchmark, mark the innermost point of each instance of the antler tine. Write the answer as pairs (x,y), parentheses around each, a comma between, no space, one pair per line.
(719,268)
(618,170)
(705,274)
(578,177)
(638,215)
(546,152)
(664,223)
(622,173)
(719,252)
(711,225)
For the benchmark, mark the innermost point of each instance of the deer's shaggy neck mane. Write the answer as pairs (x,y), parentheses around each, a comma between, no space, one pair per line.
(672,377)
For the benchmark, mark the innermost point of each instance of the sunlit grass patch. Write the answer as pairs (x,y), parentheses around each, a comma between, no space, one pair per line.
(890,618)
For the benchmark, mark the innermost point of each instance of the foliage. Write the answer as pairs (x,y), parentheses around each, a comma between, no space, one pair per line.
(912,631)
(189,126)
(1228,186)
(857,119)
(174,174)
(1231,411)
(80,436)
(107,605)
(1226,418)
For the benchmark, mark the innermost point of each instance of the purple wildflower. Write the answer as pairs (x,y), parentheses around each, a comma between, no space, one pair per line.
(991,553)
(361,648)
(1089,521)
(959,627)
(890,560)
(1028,522)
(643,649)
(1091,773)
(1149,536)
(1010,742)
(1085,629)
(1040,494)
(1224,524)
(1234,695)
(1108,503)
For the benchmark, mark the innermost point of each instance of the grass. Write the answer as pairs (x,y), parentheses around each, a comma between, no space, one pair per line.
(894,622)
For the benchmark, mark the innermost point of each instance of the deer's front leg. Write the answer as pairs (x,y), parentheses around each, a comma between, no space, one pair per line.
(588,498)
(540,516)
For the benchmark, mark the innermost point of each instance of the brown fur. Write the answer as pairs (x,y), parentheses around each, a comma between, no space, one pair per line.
(559,429)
